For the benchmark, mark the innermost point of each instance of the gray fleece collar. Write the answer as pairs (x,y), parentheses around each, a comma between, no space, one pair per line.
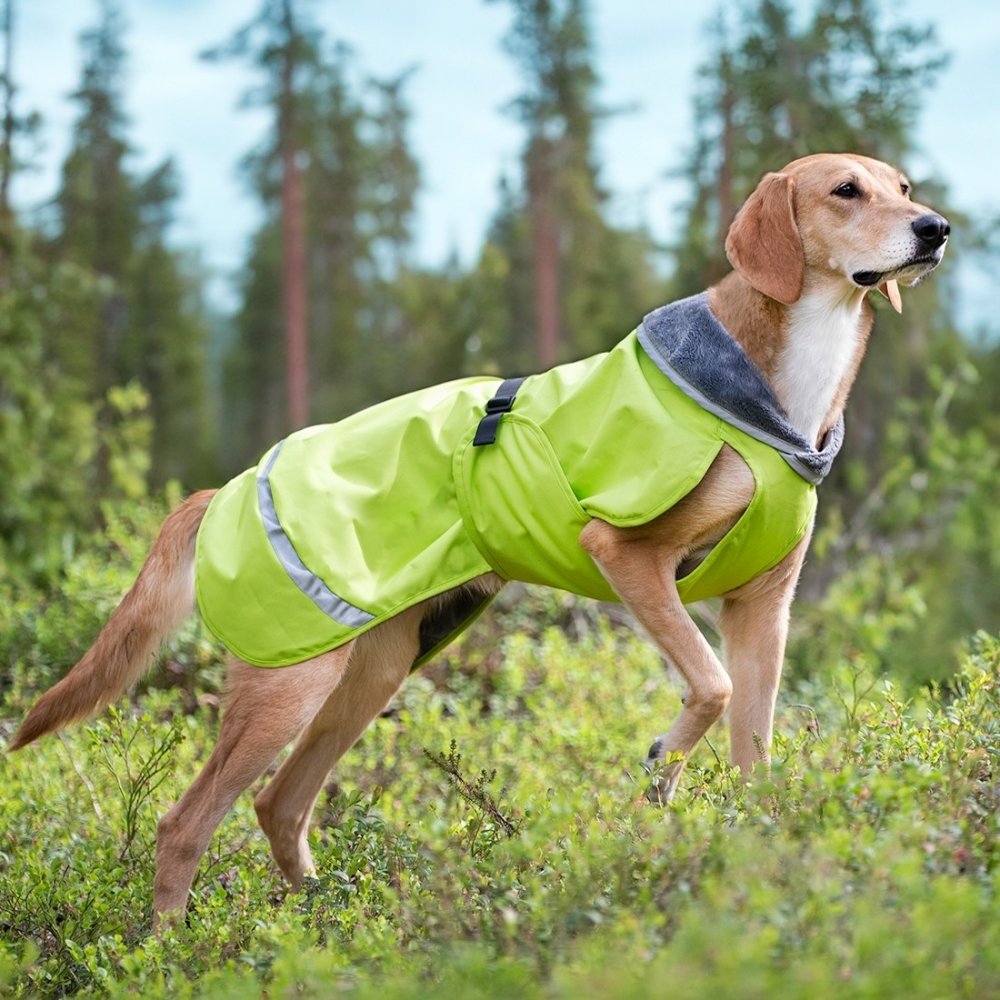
(699,355)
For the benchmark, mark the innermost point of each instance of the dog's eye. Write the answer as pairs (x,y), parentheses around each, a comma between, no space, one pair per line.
(848,190)
(905,188)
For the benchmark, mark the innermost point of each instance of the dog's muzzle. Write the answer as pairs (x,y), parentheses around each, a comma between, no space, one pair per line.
(931,232)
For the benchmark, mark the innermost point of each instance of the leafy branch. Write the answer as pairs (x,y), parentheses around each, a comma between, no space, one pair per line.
(476,793)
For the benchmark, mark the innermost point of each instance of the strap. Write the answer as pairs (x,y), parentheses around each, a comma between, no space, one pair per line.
(501,403)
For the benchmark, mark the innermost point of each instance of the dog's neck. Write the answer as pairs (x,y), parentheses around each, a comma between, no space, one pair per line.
(810,351)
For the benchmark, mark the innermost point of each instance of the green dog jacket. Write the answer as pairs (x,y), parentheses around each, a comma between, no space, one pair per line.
(344,525)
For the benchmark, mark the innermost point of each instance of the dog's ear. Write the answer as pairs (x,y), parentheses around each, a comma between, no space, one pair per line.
(764,244)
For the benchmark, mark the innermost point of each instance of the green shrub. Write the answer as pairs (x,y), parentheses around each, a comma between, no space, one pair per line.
(867,865)
(44,629)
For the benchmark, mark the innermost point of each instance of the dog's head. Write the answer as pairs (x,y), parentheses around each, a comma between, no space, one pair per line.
(835,217)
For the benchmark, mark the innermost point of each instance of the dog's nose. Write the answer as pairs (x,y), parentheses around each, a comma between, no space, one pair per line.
(931,230)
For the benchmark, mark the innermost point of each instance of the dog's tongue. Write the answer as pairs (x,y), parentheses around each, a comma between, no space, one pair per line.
(891,291)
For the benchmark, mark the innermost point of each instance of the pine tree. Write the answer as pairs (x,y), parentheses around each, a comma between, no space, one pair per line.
(362,181)
(359,181)
(772,91)
(588,281)
(97,210)
(48,427)
(148,324)
(282,44)
(252,387)
(340,238)
(7,116)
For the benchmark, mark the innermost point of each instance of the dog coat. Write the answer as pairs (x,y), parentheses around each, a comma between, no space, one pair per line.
(343,525)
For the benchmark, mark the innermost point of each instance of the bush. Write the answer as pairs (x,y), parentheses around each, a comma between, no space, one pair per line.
(44,629)
(523,859)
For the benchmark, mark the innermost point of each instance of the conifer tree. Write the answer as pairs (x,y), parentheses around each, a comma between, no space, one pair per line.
(283,45)
(7,117)
(773,90)
(148,324)
(588,280)
(358,181)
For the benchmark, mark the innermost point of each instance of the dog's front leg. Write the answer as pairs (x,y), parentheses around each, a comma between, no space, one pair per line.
(642,573)
(754,625)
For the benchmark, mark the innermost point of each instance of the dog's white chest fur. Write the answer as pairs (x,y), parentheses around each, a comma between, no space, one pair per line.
(821,346)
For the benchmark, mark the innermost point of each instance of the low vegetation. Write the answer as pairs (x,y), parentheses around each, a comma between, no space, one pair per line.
(489,837)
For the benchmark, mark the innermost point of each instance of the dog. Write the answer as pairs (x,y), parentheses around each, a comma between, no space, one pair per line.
(734,517)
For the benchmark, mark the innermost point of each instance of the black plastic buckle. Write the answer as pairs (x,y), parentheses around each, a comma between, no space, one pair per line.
(501,403)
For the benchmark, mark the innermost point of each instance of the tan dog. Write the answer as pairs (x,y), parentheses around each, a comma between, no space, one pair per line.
(807,246)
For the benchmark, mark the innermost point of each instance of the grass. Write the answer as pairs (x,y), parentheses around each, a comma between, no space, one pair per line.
(490,838)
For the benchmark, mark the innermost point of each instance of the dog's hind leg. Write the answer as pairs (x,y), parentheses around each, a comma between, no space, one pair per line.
(265,710)
(380,663)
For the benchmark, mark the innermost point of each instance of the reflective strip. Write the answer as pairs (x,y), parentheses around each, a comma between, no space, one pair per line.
(311,585)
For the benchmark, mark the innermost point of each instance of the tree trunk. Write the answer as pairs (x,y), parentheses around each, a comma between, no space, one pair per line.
(294,285)
(727,209)
(294,242)
(7,121)
(545,251)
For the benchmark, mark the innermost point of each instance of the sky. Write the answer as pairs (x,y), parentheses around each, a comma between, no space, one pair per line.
(646,53)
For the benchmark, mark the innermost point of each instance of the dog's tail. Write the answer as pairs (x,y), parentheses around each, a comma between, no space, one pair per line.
(160,599)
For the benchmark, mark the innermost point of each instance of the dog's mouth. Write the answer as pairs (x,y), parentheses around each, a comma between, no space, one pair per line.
(909,274)
(867,279)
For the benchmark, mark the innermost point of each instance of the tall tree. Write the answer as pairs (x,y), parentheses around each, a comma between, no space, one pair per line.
(253,391)
(341,230)
(358,180)
(98,214)
(12,127)
(773,90)
(7,119)
(282,44)
(148,324)
(293,221)
(587,279)
(391,182)
(47,431)
(549,40)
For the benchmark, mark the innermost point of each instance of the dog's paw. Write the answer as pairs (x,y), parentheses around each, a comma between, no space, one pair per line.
(664,771)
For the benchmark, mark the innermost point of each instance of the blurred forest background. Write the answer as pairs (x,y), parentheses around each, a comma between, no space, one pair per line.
(119,386)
